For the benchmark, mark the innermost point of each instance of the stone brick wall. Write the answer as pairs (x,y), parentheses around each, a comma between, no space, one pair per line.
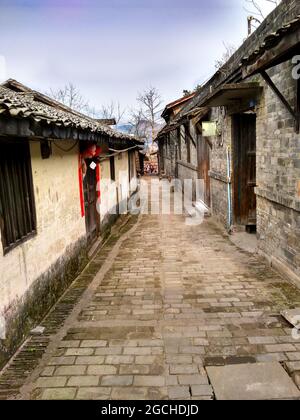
(187,171)
(278,229)
(167,150)
(278,172)
(219,201)
(218,165)
(278,145)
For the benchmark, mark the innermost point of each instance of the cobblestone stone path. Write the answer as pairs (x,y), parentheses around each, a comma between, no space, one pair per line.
(168,301)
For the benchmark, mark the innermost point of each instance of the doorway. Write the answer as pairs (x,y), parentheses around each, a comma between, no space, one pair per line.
(92,218)
(204,167)
(244,170)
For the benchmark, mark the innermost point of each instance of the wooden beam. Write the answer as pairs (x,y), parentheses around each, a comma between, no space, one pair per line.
(288,47)
(208,142)
(270,82)
(187,131)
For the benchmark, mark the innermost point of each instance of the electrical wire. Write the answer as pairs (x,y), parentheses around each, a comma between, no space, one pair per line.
(124,150)
(117,152)
(66,150)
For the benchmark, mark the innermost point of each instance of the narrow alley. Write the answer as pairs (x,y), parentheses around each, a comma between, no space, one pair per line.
(159,305)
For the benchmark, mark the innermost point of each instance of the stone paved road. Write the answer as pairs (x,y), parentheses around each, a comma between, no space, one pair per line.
(169,301)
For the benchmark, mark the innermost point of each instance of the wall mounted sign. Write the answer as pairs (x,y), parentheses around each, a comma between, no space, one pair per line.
(209,129)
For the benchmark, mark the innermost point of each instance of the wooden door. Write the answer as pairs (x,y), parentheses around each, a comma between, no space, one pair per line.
(244,166)
(90,199)
(204,167)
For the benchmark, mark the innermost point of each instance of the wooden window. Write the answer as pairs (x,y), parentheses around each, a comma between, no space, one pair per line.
(112,168)
(17,208)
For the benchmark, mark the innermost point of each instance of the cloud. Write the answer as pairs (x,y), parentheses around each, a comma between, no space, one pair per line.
(111,49)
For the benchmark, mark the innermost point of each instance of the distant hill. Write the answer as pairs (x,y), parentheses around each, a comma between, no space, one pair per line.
(145,127)
(124,128)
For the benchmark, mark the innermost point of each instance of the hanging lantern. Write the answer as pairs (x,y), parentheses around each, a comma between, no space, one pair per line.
(91,152)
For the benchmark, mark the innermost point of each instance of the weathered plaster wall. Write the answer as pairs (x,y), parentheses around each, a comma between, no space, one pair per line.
(58,223)
(134,179)
(35,273)
(122,176)
(108,195)
(117,192)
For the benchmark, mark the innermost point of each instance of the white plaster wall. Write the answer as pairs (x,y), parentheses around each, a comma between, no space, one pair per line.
(108,192)
(122,175)
(59,223)
(109,189)
(134,180)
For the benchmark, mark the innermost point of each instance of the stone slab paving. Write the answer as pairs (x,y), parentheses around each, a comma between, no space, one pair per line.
(259,381)
(293,317)
(169,301)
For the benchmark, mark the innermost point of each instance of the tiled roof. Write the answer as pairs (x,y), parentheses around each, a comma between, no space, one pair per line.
(181,100)
(272,39)
(25,105)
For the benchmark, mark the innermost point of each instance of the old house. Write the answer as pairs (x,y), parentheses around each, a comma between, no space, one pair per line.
(169,139)
(247,139)
(64,178)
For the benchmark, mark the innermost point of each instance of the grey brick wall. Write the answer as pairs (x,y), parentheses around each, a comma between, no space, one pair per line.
(278,172)
(278,149)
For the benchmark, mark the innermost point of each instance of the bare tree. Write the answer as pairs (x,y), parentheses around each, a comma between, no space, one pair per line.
(70,96)
(93,112)
(138,123)
(113,110)
(229,50)
(150,101)
(256,10)
(256,7)
(186,92)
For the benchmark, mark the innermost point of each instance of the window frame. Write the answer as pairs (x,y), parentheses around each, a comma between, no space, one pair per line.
(28,197)
(112,165)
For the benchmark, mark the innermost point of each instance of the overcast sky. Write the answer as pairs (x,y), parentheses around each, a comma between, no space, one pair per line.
(111,49)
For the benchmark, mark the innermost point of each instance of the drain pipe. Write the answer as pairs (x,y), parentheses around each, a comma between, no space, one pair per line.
(229,188)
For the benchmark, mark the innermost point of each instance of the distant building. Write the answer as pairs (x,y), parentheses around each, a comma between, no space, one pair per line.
(247,152)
